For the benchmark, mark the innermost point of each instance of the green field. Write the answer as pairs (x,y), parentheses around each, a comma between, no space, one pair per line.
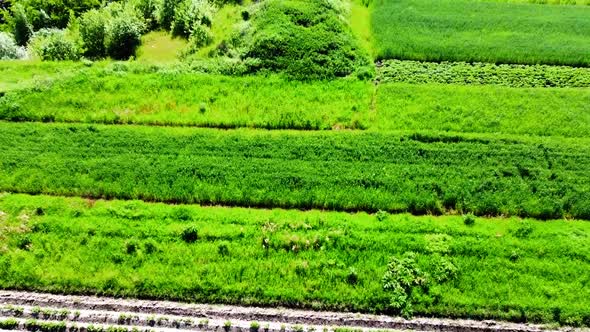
(496,32)
(401,157)
(484,109)
(418,173)
(170,97)
(519,270)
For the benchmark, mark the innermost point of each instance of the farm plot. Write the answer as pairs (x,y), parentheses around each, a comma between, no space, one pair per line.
(419,173)
(511,269)
(478,31)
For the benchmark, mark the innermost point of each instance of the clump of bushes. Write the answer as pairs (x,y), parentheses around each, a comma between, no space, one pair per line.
(410,282)
(9,49)
(55,44)
(114,30)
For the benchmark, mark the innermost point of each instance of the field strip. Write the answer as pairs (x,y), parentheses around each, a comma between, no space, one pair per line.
(165,315)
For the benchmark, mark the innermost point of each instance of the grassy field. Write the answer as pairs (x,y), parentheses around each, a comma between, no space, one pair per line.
(179,97)
(105,94)
(419,173)
(19,74)
(496,32)
(518,270)
(483,109)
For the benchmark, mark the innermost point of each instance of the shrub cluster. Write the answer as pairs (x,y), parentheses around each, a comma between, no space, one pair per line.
(54,44)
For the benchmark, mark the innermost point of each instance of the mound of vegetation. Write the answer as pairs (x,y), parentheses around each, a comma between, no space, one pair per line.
(302,38)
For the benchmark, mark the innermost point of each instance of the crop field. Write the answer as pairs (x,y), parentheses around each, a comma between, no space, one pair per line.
(482,31)
(407,164)
(333,260)
(419,173)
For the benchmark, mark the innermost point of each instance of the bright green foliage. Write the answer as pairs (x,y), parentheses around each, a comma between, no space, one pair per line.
(189,15)
(9,324)
(93,31)
(518,76)
(54,13)
(185,98)
(166,13)
(481,31)
(19,74)
(306,39)
(418,173)
(54,44)
(297,259)
(483,109)
(123,34)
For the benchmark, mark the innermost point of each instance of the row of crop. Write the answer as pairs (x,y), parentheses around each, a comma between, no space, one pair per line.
(519,270)
(329,170)
(519,76)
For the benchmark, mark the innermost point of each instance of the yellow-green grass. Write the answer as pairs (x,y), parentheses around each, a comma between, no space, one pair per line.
(160,47)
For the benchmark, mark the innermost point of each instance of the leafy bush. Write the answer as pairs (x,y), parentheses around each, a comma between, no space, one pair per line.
(191,15)
(54,44)
(124,35)
(148,9)
(403,279)
(9,49)
(22,28)
(469,220)
(304,39)
(166,13)
(93,31)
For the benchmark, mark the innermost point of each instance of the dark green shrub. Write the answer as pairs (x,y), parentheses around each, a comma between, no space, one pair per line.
(469,219)
(223,249)
(402,280)
(181,213)
(524,230)
(381,215)
(166,13)
(150,247)
(54,44)
(190,234)
(93,31)
(22,28)
(352,277)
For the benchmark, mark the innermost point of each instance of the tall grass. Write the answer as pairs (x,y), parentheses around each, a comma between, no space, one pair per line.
(497,32)
(483,109)
(415,172)
(179,97)
(512,269)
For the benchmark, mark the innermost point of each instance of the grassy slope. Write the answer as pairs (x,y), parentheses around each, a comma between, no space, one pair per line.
(507,268)
(17,74)
(423,173)
(465,30)
(193,99)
